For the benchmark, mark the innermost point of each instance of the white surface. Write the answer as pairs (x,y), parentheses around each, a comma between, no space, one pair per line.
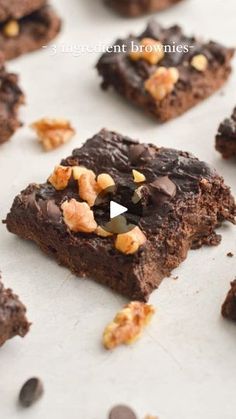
(184,366)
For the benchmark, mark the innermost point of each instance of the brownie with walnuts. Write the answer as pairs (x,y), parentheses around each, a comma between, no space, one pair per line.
(226,137)
(139,7)
(163,71)
(13,321)
(11,97)
(229,306)
(181,203)
(26,26)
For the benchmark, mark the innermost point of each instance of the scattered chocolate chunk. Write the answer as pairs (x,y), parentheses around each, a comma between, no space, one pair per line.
(11,97)
(122,412)
(31,392)
(13,319)
(162,80)
(134,8)
(229,306)
(230,254)
(63,215)
(26,26)
(226,137)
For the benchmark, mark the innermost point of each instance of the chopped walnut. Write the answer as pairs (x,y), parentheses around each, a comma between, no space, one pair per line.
(78,171)
(128,324)
(52,133)
(11,29)
(162,82)
(105,181)
(150,50)
(130,241)
(138,177)
(88,187)
(199,62)
(60,177)
(78,216)
(102,232)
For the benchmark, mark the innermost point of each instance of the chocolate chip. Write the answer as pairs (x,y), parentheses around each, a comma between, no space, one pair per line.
(164,185)
(122,412)
(136,152)
(31,391)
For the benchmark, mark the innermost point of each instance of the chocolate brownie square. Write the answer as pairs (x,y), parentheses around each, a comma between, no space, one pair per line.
(164,71)
(226,137)
(26,27)
(175,202)
(13,319)
(139,7)
(11,97)
(229,306)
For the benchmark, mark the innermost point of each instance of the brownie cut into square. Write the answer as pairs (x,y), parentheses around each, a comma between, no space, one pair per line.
(13,321)
(139,7)
(26,26)
(163,71)
(226,137)
(11,98)
(181,201)
(229,306)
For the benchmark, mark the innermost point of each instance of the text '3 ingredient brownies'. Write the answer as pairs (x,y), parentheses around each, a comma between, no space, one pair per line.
(139,7)
(175,202)
(26,26)
(163,71)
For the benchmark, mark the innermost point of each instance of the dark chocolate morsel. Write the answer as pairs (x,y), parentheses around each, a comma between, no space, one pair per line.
(31,391)
(164,185)
(122,412)
(229,306)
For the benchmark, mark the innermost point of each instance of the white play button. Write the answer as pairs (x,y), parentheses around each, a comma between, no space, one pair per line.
(116,209)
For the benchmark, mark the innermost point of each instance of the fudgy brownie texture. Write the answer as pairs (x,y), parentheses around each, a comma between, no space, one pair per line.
(183,200)
(226,137)
(165,84)
(34,31)
(15,9)
(229,306)
(11,97)
(13,319)
(139,7)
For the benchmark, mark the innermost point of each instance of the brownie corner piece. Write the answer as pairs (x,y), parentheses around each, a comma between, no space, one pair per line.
(13,321)
(163,71)
(182,201)
(29,32)
(11,98)
(134,8)
(229,306)
(226,137)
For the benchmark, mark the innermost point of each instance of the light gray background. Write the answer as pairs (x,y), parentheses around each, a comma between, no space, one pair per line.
(184,366)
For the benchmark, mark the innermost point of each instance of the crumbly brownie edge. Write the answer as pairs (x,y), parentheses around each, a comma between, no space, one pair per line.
(13,321)
(229,306)
(37,30)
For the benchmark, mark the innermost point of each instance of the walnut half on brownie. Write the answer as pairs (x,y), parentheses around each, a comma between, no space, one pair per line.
(226,137)
(11,97)
(163,71)
(26,26)
(181,202)
(139,7)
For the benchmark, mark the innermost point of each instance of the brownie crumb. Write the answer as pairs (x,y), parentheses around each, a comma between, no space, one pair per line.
(229,306)
(230,254)
(30,392)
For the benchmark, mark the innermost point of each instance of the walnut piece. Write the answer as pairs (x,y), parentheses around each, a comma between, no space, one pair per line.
(88,187)
(105,181)
(11,29)
(101,232)
(60,177)
(138,176)
(162,82)
(128,324)
(78,171)
(78,216)
(52,133)
(199,62)
(150,50)
(131,241)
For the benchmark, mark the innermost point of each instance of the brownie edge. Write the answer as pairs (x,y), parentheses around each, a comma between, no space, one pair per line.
(13,321)
(229,306)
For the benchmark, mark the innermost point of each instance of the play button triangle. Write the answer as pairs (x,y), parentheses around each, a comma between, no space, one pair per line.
(116,209)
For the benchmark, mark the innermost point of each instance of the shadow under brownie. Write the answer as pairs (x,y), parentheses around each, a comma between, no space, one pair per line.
(183,200)
(168,74)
